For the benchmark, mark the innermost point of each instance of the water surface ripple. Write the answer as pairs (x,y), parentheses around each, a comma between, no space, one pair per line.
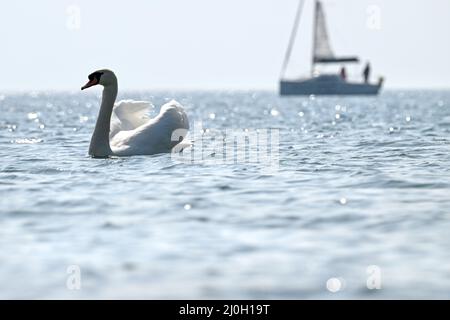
(361,182)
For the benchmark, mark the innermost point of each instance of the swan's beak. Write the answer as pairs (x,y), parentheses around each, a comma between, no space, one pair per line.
(91,83)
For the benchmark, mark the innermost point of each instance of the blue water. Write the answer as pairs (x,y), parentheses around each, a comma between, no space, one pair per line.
(360,182)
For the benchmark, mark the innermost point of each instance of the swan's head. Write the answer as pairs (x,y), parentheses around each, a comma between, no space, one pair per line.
(103,77)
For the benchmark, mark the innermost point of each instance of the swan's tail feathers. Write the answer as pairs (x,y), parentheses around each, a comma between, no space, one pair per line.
(130,114)
(177,122)
(177,113)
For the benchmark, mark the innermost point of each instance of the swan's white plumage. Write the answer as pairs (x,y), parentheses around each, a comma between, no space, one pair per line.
(128,115)
(133,132)
(126,128)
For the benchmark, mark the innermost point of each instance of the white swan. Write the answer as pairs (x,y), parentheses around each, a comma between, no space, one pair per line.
(125,129)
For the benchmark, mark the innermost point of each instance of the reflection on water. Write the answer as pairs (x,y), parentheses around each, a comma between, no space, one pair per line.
(361,182)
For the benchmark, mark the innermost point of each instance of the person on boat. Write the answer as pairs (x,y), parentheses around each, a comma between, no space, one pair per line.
(366,73)
(343,73)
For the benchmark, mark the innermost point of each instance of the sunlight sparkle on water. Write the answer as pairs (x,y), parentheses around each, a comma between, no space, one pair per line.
(274,112)
(32,115)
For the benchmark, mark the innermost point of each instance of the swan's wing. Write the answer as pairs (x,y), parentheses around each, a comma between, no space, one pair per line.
(129,114)
(157,135)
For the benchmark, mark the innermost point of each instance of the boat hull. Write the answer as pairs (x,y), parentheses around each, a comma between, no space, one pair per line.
(327,85)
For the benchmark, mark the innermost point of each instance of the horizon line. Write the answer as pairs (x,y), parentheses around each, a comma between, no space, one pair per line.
(237,89)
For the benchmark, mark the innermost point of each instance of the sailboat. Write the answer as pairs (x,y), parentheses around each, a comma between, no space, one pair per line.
(317,83)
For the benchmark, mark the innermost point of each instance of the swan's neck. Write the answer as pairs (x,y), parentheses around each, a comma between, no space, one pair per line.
(100,139)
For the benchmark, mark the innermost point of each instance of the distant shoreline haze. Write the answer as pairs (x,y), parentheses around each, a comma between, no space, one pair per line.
(225,45)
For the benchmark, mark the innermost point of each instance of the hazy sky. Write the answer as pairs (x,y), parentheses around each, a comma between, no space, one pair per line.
(214,43)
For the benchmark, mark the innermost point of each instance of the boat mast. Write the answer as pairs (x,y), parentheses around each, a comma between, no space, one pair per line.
(313,57)
(287,56)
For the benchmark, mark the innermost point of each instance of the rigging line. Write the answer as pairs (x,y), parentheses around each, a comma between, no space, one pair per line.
(287,56)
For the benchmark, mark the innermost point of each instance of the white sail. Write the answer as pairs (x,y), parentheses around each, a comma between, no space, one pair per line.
(322,47)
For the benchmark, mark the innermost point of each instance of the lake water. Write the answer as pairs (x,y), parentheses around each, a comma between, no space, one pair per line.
(361,194)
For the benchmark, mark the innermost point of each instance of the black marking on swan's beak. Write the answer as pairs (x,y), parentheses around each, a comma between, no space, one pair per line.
(94,79)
